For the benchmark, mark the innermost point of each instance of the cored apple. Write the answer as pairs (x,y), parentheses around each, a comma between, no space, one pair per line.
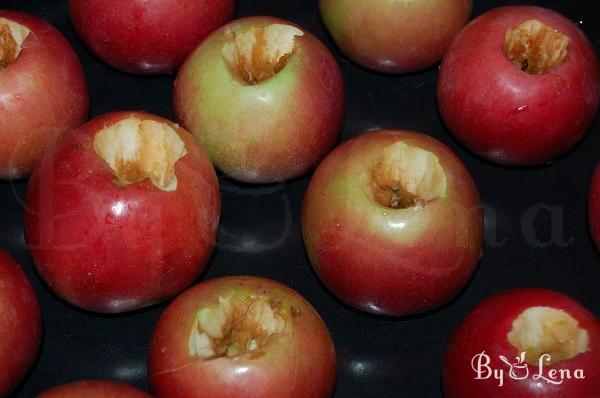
(392,223)
(20,324)
(43,91)
(241,336)
(395,36)
(93,389)
(594,206)
(264,97)
(519,85)
(123,213)
(525,343)
(147,36)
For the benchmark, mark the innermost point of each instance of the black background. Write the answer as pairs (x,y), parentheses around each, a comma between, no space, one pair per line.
(536,228)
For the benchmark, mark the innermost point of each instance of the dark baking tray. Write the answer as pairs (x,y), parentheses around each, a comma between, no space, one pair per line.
(260,228)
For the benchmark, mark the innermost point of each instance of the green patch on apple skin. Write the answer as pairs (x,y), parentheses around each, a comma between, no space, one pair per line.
(351,196)
(333,17)
(341,193)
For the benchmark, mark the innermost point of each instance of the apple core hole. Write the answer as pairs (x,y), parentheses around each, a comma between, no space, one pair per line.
(236,326)
(405,176)
(12,37)
(259,53)
(535,47)
(539,331)
(139,149)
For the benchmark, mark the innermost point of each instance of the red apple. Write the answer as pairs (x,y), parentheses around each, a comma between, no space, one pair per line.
(147,36)
(392,223)
(241,336)
(525,343)
(264,97)
(93,389)
(43,91)
(395,36)
(594,206)
(20,324)
(519,85)
(122,213)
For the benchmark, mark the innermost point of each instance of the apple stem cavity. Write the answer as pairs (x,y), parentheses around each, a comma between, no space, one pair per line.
(535,47)
(12,36)
(139,149)
(236,326)
(405,176)
(259,53)
(540,331)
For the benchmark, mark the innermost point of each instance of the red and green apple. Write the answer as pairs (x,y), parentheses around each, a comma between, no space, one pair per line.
(392,223)
(241,336)
(43,91)
(393,36)
(519,86)
(594,206)
(93,389)
(525,343)
(20,324)
(147,36)
(123,213)
(264,97)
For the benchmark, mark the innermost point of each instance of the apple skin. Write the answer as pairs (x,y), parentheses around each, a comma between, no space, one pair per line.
(269,132)
(485,329)
(395,36)
(594,206)
(147,37)
(302,364)
(390,261)
(107,248)
(509,116)
(93,389)
(31,123)
(20,324)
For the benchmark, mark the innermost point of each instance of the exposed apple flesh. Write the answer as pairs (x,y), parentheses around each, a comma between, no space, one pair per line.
(543,330)
(12,36)
(535,47)
(406,175)
(139,149)
(237,326)
(259,53)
